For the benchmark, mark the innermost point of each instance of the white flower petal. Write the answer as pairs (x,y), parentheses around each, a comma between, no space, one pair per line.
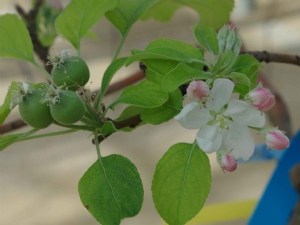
(241,112)
(239,139)
(209,138)
(220,94)
(192,116)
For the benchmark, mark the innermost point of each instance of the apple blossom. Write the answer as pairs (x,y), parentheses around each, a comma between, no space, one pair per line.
(261,98)
(223,122)
(276,139)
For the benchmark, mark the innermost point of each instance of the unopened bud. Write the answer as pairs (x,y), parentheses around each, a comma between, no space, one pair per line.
(227,162)
(198,90)
(262,99)
(276,139)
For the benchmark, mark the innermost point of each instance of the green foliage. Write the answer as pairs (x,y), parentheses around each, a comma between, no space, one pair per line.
(181,74)
(212,13)
(108,76)
(7,140)
(229,40)
(248,65)
(207,38)
(168,49)
(157,69)
(108,128)
(129,112)
(6,107)
(165,112)
(79,16)
(15,41)
(242,82)
(111,190)
(145,94)
(127,13)
(181,183)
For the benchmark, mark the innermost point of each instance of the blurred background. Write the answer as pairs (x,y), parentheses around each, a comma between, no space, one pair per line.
(38,179)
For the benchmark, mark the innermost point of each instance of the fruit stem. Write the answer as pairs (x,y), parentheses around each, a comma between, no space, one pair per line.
(75,127)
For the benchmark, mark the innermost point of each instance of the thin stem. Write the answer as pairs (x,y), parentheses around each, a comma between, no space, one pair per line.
(97,145)
(27,134)
(99,96)
(76,127)
(48,134)
(120,46)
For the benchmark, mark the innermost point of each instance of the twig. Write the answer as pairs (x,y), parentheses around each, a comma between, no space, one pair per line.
(268,57)
(30,19)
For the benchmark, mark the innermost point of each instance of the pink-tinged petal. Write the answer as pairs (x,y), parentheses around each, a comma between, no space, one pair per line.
(220,94)
(239,141)
(277,140)
(197,90)
(227,162)
(209,138)
(241,112)
(192,116)
(262,99)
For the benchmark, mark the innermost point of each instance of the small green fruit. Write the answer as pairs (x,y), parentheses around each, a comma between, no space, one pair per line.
(70,72)
(33,111)
(68,109)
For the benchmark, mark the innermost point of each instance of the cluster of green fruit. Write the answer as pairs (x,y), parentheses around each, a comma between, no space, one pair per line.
(41,104)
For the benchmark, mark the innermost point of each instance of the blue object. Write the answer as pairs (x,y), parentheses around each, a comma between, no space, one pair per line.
(279,198)
(262,152)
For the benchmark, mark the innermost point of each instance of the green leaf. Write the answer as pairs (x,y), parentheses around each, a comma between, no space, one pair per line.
(111,190)
(5,108)
(109,74)
(181,74)
(127,13)
(241,81)
(129,112)
(212,13)
(15,41)
(145,94)
(108,128)
(225,62)
(45,21)
(157,69)
(165,112)
(9,139)
(181,183)
(168,49)
(248,65)
(229,40)
(207,38)
(79,16)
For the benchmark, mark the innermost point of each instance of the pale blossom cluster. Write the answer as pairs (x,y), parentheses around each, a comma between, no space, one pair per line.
(224,123)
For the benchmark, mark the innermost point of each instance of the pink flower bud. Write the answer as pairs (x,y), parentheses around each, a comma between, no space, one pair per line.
(227,162)
(277,140)
(197,89)
(262,99)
